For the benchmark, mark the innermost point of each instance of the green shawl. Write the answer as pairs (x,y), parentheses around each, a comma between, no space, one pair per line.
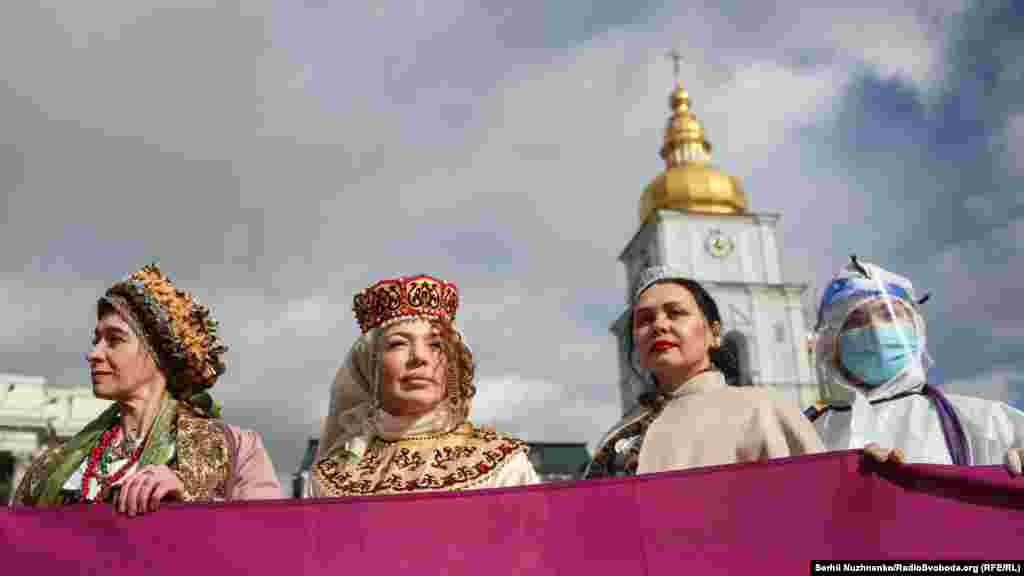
(62,463)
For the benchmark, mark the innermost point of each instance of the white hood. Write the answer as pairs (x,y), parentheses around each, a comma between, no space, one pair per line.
(911,421)
(849,290)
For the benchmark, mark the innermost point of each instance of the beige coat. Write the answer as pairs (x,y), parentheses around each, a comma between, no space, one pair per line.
(708,422)
(705,422)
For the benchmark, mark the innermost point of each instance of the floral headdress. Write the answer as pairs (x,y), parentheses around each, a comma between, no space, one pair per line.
(179,331)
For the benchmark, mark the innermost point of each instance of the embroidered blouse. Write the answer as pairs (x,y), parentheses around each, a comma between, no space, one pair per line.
(422,453)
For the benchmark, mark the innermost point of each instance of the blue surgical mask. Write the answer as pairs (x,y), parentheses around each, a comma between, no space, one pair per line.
(876,353)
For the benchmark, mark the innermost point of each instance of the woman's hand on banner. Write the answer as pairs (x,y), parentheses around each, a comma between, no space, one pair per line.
(143,490)
(879,454)
(1014,458)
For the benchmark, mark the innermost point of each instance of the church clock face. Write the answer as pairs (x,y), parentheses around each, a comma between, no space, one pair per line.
(718,244)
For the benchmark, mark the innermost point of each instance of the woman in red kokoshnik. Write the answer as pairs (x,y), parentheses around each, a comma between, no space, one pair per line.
(399,412)
(155,353)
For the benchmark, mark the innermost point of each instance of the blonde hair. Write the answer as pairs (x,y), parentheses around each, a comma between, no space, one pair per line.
(461,369)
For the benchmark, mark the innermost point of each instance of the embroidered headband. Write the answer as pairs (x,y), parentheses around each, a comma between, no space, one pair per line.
(176,327)
(405,297)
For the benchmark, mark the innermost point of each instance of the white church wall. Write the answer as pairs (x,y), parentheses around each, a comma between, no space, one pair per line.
(768,232)
(646,249)
(789,367)
(808,393)
(735,308)
(685,246)
(773,333)
(680,240)
(748,251)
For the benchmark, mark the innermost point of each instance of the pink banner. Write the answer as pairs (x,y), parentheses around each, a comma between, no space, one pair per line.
(770,517)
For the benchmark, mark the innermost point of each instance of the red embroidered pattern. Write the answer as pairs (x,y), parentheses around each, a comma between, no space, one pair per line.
(392,298)
(460,459)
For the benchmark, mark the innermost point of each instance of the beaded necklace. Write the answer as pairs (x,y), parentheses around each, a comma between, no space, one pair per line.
(100,456)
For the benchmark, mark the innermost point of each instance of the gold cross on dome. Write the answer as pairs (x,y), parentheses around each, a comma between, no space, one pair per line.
(677,57)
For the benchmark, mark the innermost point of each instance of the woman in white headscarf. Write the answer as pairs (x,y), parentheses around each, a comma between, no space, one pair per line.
(871,359)
(398,420)
(692,417)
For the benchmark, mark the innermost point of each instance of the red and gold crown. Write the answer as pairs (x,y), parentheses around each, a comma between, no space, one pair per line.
(405,297)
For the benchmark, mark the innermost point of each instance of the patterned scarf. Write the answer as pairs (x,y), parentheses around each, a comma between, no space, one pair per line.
(55,469)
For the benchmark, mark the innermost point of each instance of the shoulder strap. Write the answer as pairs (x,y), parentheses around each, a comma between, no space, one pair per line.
(952,429)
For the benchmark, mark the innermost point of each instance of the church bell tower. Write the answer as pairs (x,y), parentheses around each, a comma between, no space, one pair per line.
(694,217)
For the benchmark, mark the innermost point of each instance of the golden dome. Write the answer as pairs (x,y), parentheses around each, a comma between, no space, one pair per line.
(689,182)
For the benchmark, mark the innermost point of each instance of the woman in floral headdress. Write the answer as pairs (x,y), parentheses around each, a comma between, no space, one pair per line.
(691,417)
(398,417)
(155,353)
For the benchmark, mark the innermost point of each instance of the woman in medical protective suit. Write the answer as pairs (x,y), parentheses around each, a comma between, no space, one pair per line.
(871,359)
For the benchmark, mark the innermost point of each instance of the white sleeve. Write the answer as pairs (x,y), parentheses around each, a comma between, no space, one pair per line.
(992,428)
(518,471)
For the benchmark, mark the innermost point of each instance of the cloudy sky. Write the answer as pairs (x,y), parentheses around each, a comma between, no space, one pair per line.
(278,156)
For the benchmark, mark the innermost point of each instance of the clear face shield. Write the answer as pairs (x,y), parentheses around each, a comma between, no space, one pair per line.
(876,333)
(877,342)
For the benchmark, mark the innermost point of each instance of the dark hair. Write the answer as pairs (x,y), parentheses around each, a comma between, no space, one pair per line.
(721,358)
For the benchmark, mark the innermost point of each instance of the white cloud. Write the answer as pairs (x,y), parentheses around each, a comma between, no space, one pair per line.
(983,275)
(524,407)
(975,285)
(104,19)
(909,43)
(790,99)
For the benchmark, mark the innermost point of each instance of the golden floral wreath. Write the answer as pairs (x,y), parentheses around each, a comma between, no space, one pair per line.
(179,329)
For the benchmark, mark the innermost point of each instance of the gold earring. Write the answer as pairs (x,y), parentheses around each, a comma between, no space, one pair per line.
(453,392)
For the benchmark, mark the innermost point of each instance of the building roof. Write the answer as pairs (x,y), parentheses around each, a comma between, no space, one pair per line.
(559,458)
